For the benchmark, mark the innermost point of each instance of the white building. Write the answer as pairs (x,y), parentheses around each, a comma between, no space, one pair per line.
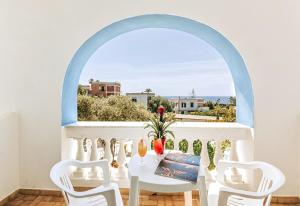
(183,105)
(142,98)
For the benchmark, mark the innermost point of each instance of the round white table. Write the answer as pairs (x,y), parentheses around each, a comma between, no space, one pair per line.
(143,177)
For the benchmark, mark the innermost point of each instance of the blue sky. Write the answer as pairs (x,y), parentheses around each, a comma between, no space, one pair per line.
(170,62)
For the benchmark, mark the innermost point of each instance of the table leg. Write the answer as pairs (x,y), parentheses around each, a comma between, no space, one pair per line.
(188,201)
(203,192)
(134,191)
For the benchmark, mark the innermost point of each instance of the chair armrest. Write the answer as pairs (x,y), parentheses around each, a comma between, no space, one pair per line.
(92,192)
(243,193)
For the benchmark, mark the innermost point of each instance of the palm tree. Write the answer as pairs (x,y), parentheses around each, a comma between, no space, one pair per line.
(218,111)
(148,90)
(232,101)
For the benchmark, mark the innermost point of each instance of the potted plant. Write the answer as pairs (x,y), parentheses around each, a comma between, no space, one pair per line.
(159,125)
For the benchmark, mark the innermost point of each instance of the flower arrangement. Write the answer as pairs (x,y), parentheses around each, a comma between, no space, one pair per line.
(160,129)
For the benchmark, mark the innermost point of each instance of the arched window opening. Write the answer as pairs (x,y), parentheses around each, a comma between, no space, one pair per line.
(228,57)
(128,77)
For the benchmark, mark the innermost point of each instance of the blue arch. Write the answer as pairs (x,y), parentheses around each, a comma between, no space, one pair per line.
(234,60)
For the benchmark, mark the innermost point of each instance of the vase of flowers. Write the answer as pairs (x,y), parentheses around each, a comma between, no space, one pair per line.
(159,130)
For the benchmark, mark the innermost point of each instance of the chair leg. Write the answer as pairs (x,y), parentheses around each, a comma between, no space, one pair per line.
(188,201)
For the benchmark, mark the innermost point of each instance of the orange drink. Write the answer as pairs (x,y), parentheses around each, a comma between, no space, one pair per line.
(142,148)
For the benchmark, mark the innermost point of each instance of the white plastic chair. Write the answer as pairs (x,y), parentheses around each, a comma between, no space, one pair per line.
(108,194)
(222,195)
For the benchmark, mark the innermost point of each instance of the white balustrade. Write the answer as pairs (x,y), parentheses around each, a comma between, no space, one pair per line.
(79,156)
(107,151)
(205,159)
(218,152)
(135,146)
(176,143)
(190,147)
(122,160)
(236,177)
(133,131)
(94,156)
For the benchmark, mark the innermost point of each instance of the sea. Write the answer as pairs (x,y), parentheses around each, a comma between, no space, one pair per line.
(214,99)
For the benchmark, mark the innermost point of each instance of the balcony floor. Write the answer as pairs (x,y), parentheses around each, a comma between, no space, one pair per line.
(146,199)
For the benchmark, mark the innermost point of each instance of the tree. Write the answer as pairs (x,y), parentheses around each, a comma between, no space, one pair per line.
(91,80)
(112,108)
(232,101)
(218,102)
(81,90)
(157,101)
(210,105)
(148,90)
(229,114)
(84,107)
(218,111)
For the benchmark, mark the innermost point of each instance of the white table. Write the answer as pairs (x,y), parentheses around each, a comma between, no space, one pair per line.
(143,177)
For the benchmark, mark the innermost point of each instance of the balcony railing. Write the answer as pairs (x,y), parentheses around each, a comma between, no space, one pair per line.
(93,140)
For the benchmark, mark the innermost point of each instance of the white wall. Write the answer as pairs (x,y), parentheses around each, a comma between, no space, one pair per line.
(9,154)
(38,39)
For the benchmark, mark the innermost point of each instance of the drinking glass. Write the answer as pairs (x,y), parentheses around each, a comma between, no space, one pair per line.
(142,149)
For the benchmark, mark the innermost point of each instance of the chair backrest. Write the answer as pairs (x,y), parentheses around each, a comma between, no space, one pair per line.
(272,178)
(60,176)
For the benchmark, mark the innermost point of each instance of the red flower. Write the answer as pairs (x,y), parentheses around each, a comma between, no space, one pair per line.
(161,110)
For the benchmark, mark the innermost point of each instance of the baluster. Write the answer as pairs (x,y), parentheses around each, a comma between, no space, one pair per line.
(122,159)
(148,141)
(94,171)
(218,156)
(176,143)
(107,152)
(205,159)
(218,152)
(135,146)
(190,146)
(79,156)
(235,176)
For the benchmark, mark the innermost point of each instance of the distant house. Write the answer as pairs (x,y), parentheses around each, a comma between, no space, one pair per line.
(103,89)
(142,98)
(184,105)
(195,118)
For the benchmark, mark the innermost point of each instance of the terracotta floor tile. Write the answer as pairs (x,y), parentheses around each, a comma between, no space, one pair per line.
(146,199)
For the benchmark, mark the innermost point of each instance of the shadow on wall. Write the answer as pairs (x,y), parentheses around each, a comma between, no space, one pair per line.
(9,147)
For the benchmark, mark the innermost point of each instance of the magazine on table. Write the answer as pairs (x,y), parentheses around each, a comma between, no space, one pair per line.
(179,166)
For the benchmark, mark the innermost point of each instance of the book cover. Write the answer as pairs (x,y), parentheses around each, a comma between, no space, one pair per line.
(179,166)
(184,158)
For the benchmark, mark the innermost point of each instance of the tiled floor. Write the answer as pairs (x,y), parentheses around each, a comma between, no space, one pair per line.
(145,200)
